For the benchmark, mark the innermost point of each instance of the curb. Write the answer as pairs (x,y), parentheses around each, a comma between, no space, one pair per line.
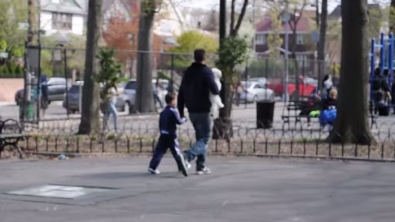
(267,156)
(7,103)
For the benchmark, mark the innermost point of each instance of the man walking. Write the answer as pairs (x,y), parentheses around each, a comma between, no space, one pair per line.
(196,85)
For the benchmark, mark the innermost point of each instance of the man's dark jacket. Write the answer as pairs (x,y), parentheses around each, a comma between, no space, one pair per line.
(196,85)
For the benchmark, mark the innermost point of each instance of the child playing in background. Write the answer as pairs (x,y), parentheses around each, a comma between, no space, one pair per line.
(169,118)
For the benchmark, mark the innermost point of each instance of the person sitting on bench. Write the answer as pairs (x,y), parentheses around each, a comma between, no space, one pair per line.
(381,92)
(329,111)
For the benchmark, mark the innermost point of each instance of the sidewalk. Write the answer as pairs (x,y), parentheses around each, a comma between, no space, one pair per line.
(239,189)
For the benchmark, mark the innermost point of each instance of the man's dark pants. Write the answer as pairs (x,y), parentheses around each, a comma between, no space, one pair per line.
(202,123)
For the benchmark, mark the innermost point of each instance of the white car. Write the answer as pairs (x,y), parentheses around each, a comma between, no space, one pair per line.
(256,91)
(129,92)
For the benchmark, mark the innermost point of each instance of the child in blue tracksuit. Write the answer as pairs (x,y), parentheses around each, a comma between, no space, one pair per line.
(169,118)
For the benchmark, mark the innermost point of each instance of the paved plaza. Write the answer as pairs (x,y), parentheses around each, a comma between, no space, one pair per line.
(118,189)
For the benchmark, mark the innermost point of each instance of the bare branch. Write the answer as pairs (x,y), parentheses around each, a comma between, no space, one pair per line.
(241,16)
(293,23)
(232,16)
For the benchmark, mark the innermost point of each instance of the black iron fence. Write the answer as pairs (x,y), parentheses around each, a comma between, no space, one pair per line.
(139,135)
(58,61)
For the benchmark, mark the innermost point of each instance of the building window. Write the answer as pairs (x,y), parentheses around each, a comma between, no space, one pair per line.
(260,39)
(300,39)
(62,21)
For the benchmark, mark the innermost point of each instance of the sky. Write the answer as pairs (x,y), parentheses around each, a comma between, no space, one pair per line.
(209,4)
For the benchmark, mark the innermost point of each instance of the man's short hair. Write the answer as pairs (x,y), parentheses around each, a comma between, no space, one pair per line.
(199,55)
(170,97)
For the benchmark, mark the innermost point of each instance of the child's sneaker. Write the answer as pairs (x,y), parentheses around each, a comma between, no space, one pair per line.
(188,166)
(182,165)
(205,170)
(152,171)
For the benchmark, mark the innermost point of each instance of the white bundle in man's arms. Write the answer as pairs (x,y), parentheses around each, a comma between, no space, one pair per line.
(216,102)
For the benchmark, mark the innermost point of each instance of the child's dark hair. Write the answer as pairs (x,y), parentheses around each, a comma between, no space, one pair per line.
(170,97)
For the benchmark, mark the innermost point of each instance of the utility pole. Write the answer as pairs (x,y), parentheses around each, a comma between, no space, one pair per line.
(254,24)
(222,20)
(286,19)
(222,36)
(30,17)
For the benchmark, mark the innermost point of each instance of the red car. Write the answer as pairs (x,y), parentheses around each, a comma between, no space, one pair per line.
(306,86)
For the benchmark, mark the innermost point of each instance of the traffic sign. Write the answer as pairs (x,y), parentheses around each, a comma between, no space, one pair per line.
(315,36)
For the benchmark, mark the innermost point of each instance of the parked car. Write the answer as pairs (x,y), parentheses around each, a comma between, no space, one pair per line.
(74,98)
(306,87)
(255,91)
(261,80)
(129,92)
(56,90)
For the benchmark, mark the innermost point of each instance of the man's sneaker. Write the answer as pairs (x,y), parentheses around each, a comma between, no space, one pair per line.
(205,170)
(182,165)
(328,128)
(152,171)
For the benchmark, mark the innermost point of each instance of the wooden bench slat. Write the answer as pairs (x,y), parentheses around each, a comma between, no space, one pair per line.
(11,136)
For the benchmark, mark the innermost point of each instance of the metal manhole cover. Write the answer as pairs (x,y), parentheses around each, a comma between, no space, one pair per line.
(59,191)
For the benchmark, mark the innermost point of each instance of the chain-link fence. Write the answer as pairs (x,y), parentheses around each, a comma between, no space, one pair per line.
(263,78)
(70,62)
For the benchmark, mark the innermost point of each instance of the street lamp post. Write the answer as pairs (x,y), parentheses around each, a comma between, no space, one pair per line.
(286,18)
(222,20)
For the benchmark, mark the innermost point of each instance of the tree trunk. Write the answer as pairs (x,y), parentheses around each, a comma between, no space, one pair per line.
(223,125)
(144,102)
(317,13)
(90,117)
(351,125)
(322,42)
(391,20)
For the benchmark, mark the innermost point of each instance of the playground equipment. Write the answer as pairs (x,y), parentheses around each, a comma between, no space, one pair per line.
(386,60)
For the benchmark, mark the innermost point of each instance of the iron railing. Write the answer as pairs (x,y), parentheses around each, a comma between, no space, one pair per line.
(139,135)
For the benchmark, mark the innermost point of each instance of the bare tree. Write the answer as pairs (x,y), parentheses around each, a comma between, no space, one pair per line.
(391,20)
(351,124)
(223,125)
(90,117)
(296,13)
(274,40)
(236,23)
(144,101)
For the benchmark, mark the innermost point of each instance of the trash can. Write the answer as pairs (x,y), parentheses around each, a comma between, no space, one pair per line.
(27,109)
(264,114)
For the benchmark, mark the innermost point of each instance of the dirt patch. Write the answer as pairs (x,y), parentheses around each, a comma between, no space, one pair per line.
(8,88)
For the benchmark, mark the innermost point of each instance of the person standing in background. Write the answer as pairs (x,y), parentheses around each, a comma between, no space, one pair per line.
(112,110)
(44,101)
(157,93)
(239,90)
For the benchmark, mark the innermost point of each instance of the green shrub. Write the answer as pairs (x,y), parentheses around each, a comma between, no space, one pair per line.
(19,71)
(6,70)
(163,75)
(11,68)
